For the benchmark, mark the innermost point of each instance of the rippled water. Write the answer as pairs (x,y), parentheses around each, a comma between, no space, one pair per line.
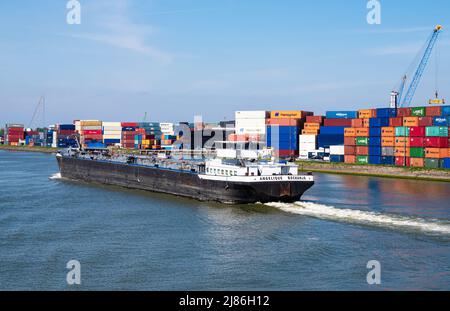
(138,240)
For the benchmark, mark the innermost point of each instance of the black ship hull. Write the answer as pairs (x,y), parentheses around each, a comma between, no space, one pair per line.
(182,183)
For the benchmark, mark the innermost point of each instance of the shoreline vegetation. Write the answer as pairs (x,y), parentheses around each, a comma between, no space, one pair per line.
(414,173)
(323,167)
(28,149)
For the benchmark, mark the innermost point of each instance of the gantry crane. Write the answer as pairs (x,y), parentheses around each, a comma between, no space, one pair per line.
(396,96)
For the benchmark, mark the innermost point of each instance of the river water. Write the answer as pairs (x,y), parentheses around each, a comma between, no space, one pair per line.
(135,240)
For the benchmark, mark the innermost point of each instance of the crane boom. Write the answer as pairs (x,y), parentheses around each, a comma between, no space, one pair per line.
(420,70)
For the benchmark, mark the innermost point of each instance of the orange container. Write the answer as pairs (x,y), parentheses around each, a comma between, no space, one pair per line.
(402,142)
(362,150)
(312,126)
(436,153)
(357,123)
(387,142)
(388,131)
(283,122)
(362,132)
(289,114)
(410,121)
(349,132)
(350,159)
(417,162)
(402,152)
(367,113)
(310,132)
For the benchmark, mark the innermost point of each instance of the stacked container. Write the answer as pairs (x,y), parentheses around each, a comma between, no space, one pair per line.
(66,136)
(167,128)
(91,133)
(14,134)
(283,130)
(112,133)
(332,133)
(251,122)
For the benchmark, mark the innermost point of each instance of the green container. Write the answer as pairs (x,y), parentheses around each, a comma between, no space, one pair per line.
(402,131)
(417,152)
(436,131)
(362,160)
(433,163)
(362,141)
(418,112)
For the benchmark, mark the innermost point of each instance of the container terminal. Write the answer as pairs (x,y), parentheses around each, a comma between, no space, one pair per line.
(399,135)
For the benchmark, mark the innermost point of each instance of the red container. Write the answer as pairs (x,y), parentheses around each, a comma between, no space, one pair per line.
(14,138)
(350,141)
(402,161)
(417,142)
(285,153)
(66,132)
(434,111)
(129,124)
(436,142)
(417,131)
(315,119)
(350,150)
(283,122)
(15,130)
(92,132)
(362,150)
(93,137)
(425,121)
(396,121)
(338,122)
(357,122)
(403,112)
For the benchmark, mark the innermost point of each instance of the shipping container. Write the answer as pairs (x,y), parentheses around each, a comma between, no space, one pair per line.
(441,121)
(387,131)
(362,132)
(403,112)
(388,160)
(417,152)
(349,141)
(358,123)
(350,150)
(342,115)
(402,152)
(417,141)
(436,131)
(386,113)
(445,111)
(402,131)
(417,162)
(325,140)
(379,122)
(367,113)
(437,142)
(375,131)
(418,112)
(434,111)
(402,142)
(289,114)
(338,122)
(286,122)
(432,163)
(375,151)
(396,122)
(411,121)
(436,153)
(426,121)
(402,161)
(337,158)
(446,162)
(315,119)
(350,132)
(375,159)
(362,150)
(417,131)
(350,159)
(362,159)
(387,142)
(362,141)
(332,130)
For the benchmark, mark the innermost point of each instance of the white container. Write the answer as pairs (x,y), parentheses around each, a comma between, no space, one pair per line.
(337,150)
(308,139)
(112,124)
(251,115)
(307,146)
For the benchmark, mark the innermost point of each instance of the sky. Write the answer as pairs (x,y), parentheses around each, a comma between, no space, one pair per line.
(174,59)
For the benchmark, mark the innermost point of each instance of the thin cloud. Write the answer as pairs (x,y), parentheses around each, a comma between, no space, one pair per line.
(404,49)
(117,29)
(396,30)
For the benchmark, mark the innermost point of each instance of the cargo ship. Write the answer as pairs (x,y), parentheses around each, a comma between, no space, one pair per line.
(232,181)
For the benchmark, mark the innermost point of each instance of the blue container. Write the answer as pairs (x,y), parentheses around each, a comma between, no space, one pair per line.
(378,122)
(386,113)
(283,145)
(375,151)
(325,141)
(336,158)
(332,130)
(112,141)
(446,111)
(446,163)
(375,132)
(375,141)
(374,160)
(67,127)
(388,160)
(282,130)
(96,145)
(128,129)
(441,121)
(342,114)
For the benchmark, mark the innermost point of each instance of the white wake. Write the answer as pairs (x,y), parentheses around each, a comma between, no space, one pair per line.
(55,176)
(320,211)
